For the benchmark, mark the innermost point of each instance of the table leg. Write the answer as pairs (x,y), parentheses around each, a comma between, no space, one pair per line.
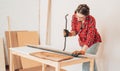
(92,65)
(57,68)
(11,62)
(43,67)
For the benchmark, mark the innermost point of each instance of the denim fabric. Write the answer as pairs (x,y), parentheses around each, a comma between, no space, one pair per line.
(92,50)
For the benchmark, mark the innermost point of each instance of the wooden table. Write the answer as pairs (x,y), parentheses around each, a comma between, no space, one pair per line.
(25,52)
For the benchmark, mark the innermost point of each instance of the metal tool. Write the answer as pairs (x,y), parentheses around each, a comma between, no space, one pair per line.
(56,51)
(65,28)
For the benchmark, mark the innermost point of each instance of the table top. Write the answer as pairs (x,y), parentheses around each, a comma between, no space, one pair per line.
(28,50)
(25,51)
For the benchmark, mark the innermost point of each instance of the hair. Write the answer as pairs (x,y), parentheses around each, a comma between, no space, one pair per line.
(83,9)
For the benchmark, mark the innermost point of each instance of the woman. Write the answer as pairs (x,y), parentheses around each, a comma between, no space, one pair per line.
(84,25)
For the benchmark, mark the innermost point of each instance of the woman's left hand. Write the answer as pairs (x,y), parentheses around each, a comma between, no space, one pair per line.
(76,53)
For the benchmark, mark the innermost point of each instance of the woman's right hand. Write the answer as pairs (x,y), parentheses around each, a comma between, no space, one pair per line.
(66,33)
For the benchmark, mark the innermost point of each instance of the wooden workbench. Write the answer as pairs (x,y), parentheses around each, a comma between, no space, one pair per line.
(25,52)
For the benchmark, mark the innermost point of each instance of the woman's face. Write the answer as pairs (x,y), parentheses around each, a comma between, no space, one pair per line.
(80,17)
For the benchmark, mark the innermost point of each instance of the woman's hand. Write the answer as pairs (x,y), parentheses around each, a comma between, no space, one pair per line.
(66,33)
(81,52)
(76,53)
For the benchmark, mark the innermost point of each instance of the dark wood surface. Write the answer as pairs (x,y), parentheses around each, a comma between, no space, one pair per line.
(52,56)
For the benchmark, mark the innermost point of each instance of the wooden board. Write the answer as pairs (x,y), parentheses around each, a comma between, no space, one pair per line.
(52,56)
(2,56)
(22,38)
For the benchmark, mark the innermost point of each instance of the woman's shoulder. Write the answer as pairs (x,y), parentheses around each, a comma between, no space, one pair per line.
(74,16)
(91,17)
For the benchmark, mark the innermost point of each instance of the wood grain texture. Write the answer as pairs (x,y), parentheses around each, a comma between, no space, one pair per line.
(52,56)
(48,31)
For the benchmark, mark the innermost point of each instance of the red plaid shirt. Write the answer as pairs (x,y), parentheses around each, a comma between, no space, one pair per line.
(87,31)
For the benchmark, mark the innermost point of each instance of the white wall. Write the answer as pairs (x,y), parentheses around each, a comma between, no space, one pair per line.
(107,16)
(24,16)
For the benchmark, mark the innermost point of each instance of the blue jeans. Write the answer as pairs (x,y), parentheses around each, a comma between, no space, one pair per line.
(92,50)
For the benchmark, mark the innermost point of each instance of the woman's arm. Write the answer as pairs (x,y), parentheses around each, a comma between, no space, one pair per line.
(73,28)
(68,34)
(72,33)
(80,52)
(84,48)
